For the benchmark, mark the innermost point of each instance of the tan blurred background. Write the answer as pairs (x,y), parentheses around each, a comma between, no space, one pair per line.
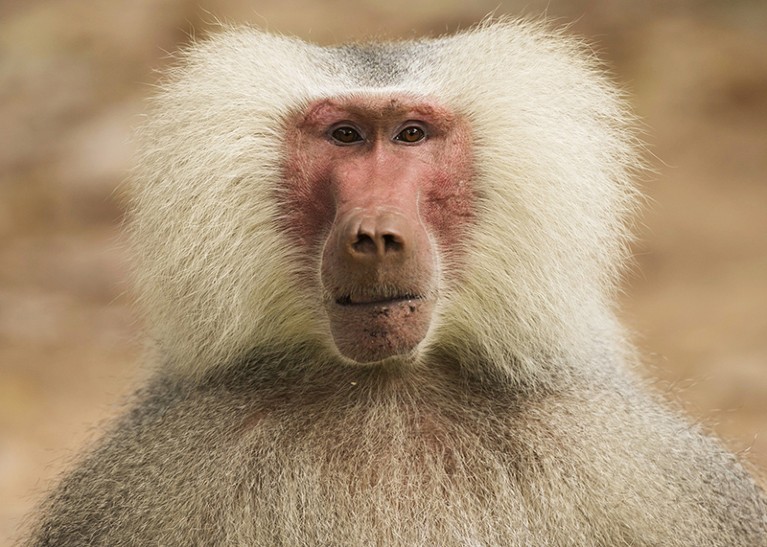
(73,76)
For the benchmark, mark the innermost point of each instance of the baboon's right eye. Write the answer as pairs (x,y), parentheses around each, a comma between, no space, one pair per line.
(346,135)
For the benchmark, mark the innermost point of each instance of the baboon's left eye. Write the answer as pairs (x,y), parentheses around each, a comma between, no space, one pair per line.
(410,134)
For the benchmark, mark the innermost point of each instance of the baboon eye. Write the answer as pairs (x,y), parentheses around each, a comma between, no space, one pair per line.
(346,135)
(411,133)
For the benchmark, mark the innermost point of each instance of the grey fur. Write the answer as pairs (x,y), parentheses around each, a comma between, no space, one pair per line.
(518,425)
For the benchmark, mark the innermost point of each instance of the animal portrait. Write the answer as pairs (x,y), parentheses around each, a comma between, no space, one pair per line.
(380,283)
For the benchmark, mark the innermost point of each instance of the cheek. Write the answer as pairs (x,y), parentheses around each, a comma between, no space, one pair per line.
(449,212)
(306,203)
(449,206)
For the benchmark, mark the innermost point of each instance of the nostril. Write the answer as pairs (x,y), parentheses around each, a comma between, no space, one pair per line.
(392,243)
(364,244)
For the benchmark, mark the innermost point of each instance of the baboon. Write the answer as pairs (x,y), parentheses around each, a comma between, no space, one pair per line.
(380,282)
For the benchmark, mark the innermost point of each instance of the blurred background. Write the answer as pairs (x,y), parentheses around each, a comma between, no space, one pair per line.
(73,78)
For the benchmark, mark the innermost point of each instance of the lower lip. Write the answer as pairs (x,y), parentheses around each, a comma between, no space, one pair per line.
(370,332)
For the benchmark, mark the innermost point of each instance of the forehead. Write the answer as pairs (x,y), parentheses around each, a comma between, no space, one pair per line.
(376,107)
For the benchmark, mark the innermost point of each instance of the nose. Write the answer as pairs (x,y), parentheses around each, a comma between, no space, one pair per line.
(373,236)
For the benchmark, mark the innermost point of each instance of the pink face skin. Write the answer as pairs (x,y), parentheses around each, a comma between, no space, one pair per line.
(382,185)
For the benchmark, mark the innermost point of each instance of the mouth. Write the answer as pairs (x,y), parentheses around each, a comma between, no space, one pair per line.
(358,301)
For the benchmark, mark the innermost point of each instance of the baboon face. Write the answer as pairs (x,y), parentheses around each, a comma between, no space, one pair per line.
(380,187)
(397,202)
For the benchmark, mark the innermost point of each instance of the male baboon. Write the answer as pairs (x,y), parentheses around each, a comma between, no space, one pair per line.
(380,279)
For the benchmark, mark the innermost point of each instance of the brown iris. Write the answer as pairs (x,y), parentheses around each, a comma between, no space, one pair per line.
(411,134)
